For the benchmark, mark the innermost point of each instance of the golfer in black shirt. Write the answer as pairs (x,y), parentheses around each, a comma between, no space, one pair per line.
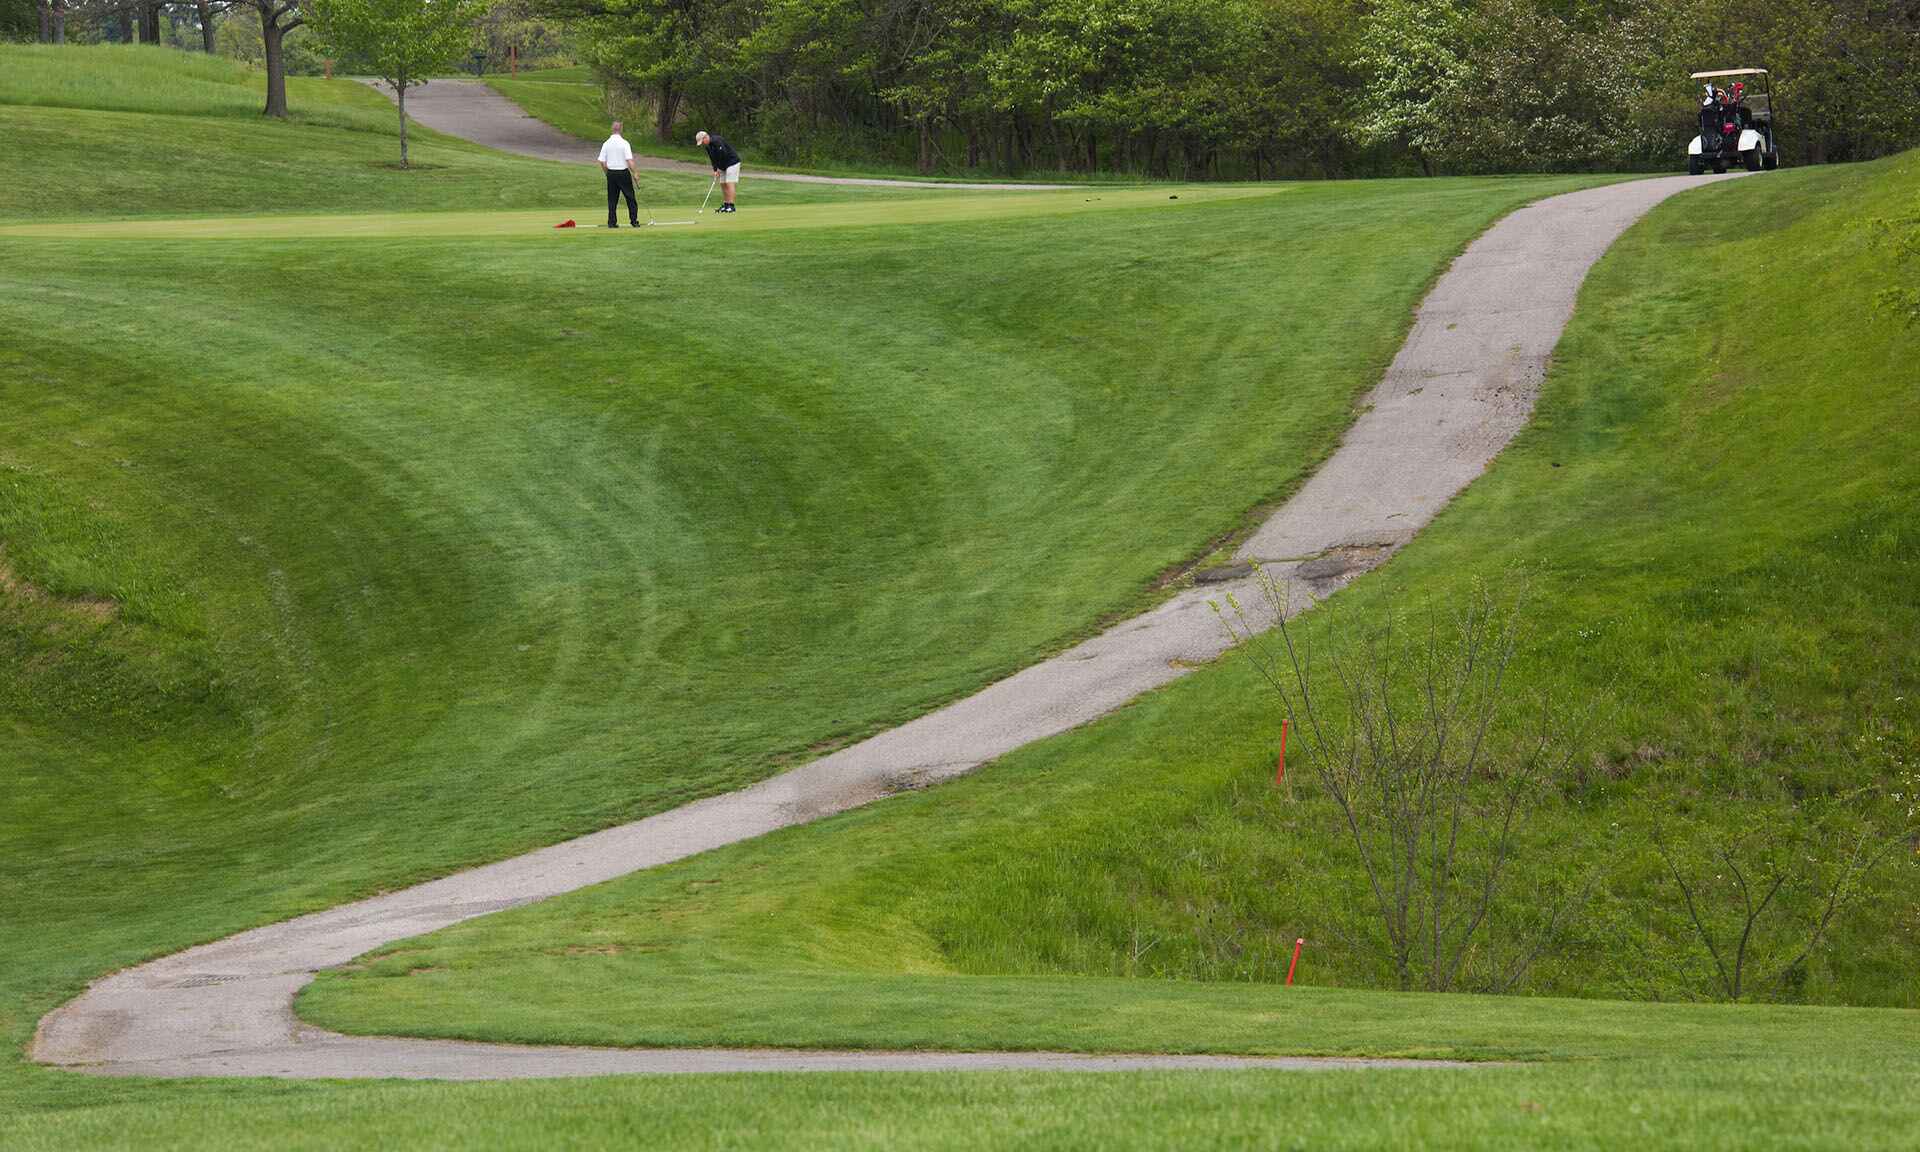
(726,165)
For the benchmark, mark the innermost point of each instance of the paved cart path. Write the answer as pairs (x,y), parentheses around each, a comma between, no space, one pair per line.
(1459,389)
(472,111)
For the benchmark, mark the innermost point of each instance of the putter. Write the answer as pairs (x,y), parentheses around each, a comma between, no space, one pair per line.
(653,223)
(707,197)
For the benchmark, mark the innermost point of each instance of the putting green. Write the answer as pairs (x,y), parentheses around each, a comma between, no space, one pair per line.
(934,208)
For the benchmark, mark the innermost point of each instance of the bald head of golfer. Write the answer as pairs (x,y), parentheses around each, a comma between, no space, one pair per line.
(726,164)
(616,160)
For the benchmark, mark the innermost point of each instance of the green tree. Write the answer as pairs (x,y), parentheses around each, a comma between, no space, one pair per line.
(277,19)
(402,40)
(1246,87)
(1537,90)
(674,51)
(1299,99)
(21,20)
(1842,69)
(1412,55)
(510,29)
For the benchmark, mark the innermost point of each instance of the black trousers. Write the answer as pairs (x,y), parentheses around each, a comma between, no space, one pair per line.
(619,183)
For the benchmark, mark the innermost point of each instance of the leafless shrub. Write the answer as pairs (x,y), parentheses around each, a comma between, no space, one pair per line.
(1728,884)
(1410,729)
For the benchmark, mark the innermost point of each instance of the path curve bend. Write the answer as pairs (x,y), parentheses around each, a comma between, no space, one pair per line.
(1462,385)
(472,111)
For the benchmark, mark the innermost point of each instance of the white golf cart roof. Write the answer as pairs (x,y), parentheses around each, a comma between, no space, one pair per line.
(1730,72)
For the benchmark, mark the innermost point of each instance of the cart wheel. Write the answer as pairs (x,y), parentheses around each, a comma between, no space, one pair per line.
(1750,160)
(1719,167)
(1693,166)
(1771,161)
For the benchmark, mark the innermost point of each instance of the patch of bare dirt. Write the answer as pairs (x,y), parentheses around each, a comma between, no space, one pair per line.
(15,590)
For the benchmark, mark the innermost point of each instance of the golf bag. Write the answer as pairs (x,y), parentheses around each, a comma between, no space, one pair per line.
(1712,118)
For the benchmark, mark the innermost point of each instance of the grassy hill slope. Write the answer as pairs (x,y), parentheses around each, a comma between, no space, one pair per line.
(104,131)
(1718,504)
(334,563)
(573,101)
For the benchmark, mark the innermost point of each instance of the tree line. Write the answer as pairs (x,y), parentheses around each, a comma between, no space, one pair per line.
(1191,89)
(162,22)
(276,34)
(1251,88)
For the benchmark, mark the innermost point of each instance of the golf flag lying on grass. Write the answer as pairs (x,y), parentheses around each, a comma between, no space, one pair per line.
(566,224)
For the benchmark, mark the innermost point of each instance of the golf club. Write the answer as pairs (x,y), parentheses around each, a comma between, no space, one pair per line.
(651,222)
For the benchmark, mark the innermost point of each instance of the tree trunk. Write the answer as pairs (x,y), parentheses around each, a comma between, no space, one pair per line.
(205,9)
(44,10)
(400,98)
(667,111)
(59,21)
(1093,149)
(124,20)
(926,147)
(150,23)
(271,37)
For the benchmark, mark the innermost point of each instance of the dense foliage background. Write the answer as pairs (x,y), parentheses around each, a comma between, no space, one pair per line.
(231,28)
(1253,88)
(1194,89)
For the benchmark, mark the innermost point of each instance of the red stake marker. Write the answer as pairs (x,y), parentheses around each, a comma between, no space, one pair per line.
(1296,959)
(1280,765)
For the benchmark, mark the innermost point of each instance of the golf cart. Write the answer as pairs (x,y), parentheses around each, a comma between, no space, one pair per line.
(1735,133)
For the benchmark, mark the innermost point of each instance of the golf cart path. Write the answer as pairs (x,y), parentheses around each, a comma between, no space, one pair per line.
(1462,385)
(472,111)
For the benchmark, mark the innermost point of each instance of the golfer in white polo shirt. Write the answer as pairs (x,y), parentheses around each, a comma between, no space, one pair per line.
(616,160)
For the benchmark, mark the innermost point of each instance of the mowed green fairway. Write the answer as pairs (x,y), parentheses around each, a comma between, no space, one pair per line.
(1725,546)
(920,209)
(336,561)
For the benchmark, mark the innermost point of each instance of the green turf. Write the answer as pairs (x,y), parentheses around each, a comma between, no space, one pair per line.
(567,74)
(572,554)
(577,105)
(1845,1082)
(93,132)
(945,208)
(335,563)
(319,579)
(142,78)
(1725,538)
